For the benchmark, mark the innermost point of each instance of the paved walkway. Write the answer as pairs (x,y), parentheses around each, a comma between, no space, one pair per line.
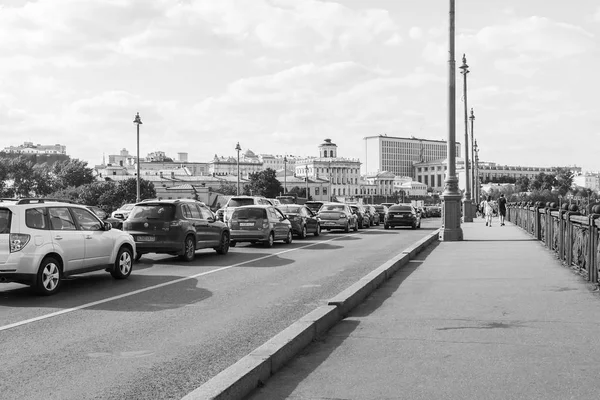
(495,316)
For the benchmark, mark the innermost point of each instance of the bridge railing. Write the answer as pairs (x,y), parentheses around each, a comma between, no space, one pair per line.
(574,238)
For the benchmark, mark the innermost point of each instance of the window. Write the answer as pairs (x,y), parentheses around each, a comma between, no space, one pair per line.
(5,217)
(205,212)
(60,219)
(194,210)
(87,221)
(35,218)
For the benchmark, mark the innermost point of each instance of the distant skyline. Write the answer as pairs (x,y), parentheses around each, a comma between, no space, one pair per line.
(280,76)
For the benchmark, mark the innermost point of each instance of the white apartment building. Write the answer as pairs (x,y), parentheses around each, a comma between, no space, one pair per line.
(590,180)
(30,148)
(397,154)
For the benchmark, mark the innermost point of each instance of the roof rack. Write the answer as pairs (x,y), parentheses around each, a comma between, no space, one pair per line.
(35,200)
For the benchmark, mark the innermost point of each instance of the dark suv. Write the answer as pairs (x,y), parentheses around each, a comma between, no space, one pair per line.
(176,227)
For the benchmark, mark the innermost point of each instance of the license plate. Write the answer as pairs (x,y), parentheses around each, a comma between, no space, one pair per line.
(145,238)
(328,223)
(246,223)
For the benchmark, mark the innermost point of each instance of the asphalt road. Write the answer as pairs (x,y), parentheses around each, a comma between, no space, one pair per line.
(173,325)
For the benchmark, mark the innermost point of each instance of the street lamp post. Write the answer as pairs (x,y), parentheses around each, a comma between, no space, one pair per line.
(138,122)
(467,210)
(284,174)
(306,169)
(476,163)
(451,229)
(473,191)
(238,148)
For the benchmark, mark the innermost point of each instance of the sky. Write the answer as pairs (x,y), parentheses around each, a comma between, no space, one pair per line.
(280,76)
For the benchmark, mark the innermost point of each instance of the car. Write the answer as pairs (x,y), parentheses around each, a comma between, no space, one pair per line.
(402,215)
(388,205)
(176,227)
(259,224)
(44,241)
(361,214)
(314,205)
(382,211)
(100,213)
(435,211)
(337,216)
(224,212)
(374,217)
(303,220)
(123,211)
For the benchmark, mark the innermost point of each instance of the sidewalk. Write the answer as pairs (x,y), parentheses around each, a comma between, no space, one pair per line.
(495,316)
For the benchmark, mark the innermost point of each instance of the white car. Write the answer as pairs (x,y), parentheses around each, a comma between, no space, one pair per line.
(123,211)
(43,241)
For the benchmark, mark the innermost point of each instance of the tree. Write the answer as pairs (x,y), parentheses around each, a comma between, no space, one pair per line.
(21,172)
(265,183)
(44,182)
(564,180)
(127,190)
(522,184)
(227,189)
(72,173)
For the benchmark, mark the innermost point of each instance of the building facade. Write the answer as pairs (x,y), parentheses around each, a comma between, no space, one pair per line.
(590,180)
(30,148)
(397,155)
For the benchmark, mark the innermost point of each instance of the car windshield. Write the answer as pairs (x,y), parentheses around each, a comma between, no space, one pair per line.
(249,213)
(332,207)
(401,208)
(240,202)
(127,207)
(289,209)
(162,212)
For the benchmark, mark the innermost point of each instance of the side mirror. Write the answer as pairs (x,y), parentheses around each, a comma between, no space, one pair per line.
(107,226)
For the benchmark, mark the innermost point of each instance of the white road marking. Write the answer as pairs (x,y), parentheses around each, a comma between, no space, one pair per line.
(173,282)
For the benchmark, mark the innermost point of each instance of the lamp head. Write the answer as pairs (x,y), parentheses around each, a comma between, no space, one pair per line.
(137,119)
(472,117)
(237,146)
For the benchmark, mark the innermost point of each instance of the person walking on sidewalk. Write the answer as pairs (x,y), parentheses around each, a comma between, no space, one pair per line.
(488,210)
(502,209)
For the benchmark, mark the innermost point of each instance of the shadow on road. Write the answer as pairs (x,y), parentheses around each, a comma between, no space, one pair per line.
(86,289)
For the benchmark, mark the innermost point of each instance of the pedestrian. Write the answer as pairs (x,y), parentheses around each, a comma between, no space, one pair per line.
(488,209)
(502,208)
(482,208)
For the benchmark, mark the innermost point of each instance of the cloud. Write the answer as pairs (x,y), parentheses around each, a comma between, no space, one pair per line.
(415,32)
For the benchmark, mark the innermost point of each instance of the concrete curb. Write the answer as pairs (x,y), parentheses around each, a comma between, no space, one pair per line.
(244,376)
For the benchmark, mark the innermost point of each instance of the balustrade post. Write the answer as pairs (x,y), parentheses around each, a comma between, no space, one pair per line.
(592,256)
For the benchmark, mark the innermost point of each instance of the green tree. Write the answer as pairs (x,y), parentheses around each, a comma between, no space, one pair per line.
(4,174)
(564,180)
(522,184)
(127,190)
(21,172)
(227,189)
(73,172)
(265,183)
(69,193)
(44,182)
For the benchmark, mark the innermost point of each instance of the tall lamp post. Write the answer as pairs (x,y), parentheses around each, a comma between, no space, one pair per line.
(138,122)
(306,170)
(238,148)
(467,210)
(476,163)
(284,174)
(473,191)
(451,229)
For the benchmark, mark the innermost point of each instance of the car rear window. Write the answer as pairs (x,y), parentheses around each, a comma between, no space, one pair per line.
(289,209)
(249,213)
(34,218)
(332,207)
(401,208)
(161,212)
(240,202)
(5,217)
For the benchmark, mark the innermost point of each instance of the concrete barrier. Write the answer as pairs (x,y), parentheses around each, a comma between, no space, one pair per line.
(253,370)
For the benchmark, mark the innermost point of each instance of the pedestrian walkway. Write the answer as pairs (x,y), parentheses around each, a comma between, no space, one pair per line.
(495,316)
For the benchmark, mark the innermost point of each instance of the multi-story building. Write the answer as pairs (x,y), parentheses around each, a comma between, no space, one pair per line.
(122,159)
(397,154)
(342,174)
(30,148)
(590,180)
(249,163)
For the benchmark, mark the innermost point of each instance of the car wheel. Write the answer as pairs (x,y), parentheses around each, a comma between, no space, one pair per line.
(303,232)
(123,264)
(318,231)
(386,226)
(48,277)
(223,244)
(270,240)
(347,228)
(289,238)
(232,243)
(189,249)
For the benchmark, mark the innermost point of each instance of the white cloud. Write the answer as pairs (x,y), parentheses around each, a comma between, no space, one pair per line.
(395,39)
(415,32)
(597,15)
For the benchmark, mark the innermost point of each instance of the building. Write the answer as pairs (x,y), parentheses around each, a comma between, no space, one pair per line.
(397,155)
(122,159)
(30,148)
(589,180)
(248,163)
(341,174)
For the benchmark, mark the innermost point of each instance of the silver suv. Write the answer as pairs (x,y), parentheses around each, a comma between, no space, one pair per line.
(42,241)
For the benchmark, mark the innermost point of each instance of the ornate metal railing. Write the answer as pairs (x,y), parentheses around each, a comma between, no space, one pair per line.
(574,238)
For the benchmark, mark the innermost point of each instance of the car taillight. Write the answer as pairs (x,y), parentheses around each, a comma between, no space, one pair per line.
(175,224)
(265,223)
(18,241)
(343,215)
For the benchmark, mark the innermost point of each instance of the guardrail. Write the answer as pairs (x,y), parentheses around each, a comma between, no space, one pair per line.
(574,238)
